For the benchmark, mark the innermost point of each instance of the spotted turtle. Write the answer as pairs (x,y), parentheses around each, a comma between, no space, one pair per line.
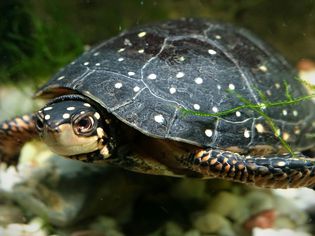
(183,97)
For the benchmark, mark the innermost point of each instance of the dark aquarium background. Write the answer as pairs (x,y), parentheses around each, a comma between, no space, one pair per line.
(48,195)
(38,37)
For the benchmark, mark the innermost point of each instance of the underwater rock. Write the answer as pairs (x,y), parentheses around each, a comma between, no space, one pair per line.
(264,219)
(10,213)
(278,232)
(173,229)
(33,228)
(212,223)
(228,204)
(64,191)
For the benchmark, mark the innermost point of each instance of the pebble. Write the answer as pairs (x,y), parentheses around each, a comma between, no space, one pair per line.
(225,203)
(173,229)
(211,223)
(10,213)
(278,232)
(192,232)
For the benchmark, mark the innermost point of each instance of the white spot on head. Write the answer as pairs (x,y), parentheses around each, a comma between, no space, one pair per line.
(208,132)
(131,73)
(263,68)
(215,109)
(246,133)
(181,58)
(47,117)
(61,77)
(97,115)
(141,51)
(47,108)
(231,86)
(66,116)
(219,87)
(86,105)
(260,128)
(98,64)
(180,75)
(212,52)
(198,80)
(218,36)
(238,113)
(121,50)
(118,85)
(86,63)
(277,85)
(159,118)
(142,34)
(70,108)
(136,89)
(121,59)
(152,76)
(196,106)
(172,90)
(96,53)
(295,113)
(284,112)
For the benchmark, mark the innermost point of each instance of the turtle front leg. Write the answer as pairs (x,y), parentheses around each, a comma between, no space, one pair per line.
(14,134)
(274,171)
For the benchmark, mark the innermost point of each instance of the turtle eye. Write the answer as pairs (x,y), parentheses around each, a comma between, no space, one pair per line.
(84,125)
(39,124)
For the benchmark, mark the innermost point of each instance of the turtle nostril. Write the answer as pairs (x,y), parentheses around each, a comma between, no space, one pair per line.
(56,129)
(39,124)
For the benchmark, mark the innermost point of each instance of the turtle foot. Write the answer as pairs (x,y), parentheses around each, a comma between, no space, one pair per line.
(273,171)
(14,134)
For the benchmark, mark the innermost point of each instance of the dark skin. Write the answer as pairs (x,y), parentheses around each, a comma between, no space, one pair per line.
(75,127)
(13,135)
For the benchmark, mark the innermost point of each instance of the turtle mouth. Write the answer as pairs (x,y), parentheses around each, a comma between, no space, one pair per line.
(65,142)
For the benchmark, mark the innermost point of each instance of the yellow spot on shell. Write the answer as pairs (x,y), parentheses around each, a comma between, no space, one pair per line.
(97,115)
(260,128)
(142,34)
(263,68)
(285,136)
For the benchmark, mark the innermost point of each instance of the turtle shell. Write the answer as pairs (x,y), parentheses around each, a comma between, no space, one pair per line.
(174,79)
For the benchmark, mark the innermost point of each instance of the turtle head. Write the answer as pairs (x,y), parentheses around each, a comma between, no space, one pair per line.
(73,127)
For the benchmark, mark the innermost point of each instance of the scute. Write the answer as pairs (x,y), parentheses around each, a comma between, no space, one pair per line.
(146,77)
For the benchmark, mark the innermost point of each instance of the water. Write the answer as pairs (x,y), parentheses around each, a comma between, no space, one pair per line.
(50,195)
